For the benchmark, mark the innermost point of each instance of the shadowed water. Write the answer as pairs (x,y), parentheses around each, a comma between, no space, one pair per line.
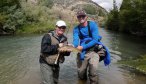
(19,60)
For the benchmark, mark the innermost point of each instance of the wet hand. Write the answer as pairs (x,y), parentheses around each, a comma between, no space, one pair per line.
(80,48)
(61,44)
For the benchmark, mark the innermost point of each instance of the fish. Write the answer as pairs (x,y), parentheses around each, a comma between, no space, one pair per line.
(69,48)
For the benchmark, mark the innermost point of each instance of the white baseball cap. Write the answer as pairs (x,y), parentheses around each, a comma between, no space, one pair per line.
(60,23)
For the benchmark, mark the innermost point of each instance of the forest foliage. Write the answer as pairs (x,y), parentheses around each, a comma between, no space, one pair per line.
(20,15)
(130,18)
(17,14)
(35,16)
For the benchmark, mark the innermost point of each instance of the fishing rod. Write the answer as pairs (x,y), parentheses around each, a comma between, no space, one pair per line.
(57,58)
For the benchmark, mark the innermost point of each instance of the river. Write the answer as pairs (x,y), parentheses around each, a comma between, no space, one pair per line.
(19,60)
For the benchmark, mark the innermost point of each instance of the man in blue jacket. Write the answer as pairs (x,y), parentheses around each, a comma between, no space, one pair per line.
(85,37)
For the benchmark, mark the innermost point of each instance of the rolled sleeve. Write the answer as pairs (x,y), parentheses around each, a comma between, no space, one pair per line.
(95,36)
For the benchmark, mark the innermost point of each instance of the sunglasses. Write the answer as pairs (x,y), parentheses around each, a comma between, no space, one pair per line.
(62,27)
(81,16)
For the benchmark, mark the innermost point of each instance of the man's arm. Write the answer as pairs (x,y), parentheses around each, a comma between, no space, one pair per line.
(95,35)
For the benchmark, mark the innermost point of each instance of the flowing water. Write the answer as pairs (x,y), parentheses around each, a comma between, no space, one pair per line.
(19,60)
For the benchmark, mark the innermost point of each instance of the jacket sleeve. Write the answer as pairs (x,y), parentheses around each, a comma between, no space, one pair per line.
(46,46)
(95,36)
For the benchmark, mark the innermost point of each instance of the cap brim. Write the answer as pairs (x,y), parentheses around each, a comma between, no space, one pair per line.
(81,14)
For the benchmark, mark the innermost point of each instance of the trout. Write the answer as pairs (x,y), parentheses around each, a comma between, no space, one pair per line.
(69,48)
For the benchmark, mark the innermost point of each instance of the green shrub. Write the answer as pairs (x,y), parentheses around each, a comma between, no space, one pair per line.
(15,19)
(90,9)
(47,3)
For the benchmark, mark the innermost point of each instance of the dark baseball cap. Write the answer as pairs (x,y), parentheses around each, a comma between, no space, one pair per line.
(81,12)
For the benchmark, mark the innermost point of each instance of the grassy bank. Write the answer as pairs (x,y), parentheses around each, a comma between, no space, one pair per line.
(36,28)
(138,64)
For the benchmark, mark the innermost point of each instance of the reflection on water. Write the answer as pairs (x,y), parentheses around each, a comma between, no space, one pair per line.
(19,60)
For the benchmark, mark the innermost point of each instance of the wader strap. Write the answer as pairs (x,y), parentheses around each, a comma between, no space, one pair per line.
(89,31)
(54,36)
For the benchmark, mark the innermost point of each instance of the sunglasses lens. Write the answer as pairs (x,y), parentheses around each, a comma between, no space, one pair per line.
(62,27)
(81,16)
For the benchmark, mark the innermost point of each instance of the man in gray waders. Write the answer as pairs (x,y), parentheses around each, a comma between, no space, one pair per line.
(86,38)
(50,55)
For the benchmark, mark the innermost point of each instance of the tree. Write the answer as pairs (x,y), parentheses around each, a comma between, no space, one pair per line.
(4,4)
(113,18)
(132,16)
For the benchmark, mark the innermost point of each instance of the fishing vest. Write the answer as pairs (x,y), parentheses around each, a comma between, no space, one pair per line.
(50,59)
